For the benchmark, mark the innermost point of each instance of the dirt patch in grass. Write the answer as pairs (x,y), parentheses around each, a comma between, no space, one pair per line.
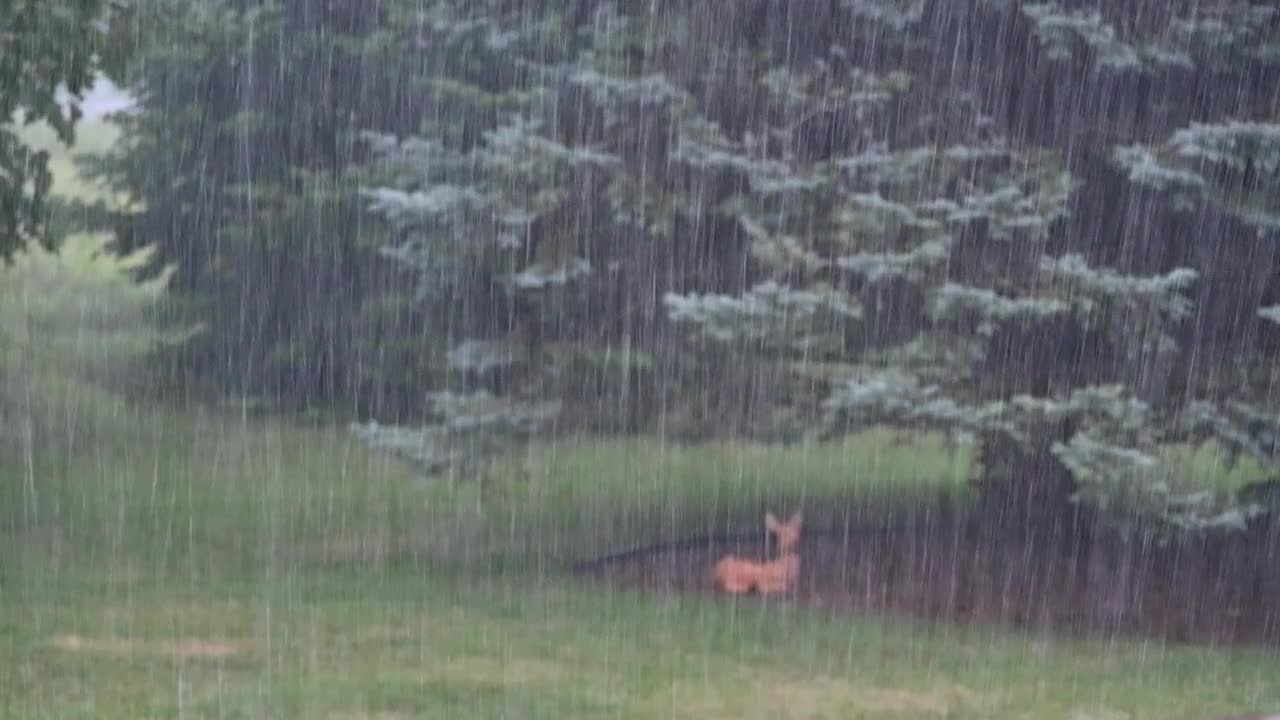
(822,697)
(187,649)
(1209,590)
(515,671)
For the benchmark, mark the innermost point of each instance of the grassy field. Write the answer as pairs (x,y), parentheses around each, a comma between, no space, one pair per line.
(194,565)
(157,563)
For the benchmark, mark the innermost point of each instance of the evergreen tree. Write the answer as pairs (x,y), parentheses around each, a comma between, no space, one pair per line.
(1000,218)
(240,165)
(478,210)
(870,237)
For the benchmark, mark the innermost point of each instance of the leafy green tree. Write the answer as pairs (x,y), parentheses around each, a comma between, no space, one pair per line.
(46,46)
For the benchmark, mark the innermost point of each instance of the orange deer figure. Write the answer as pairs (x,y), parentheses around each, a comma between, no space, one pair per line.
(738,575)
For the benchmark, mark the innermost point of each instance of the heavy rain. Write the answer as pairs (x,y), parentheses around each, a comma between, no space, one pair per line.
(880,359)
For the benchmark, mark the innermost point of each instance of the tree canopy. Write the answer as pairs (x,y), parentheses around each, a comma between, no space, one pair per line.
(46,47)
(1047,229)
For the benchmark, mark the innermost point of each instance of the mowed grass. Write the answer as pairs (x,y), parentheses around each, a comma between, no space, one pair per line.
(206,494)
(582,498)
(197,565)
(347,645)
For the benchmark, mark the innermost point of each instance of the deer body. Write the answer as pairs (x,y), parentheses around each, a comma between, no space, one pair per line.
(739,575)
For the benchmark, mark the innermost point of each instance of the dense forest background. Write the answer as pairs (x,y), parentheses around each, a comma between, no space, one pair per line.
(1046,228)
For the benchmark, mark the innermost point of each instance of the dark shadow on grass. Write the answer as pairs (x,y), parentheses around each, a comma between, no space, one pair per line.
(945,562)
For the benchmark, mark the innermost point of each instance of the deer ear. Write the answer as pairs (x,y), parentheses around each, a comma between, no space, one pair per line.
(796,518)
(770,521)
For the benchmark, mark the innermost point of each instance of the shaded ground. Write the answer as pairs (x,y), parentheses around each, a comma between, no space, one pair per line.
(1215,590)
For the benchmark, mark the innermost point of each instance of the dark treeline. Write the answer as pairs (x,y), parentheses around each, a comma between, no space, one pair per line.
(1049,226)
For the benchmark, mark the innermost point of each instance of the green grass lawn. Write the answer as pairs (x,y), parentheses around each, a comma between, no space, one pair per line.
(194,565)
(418,645)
